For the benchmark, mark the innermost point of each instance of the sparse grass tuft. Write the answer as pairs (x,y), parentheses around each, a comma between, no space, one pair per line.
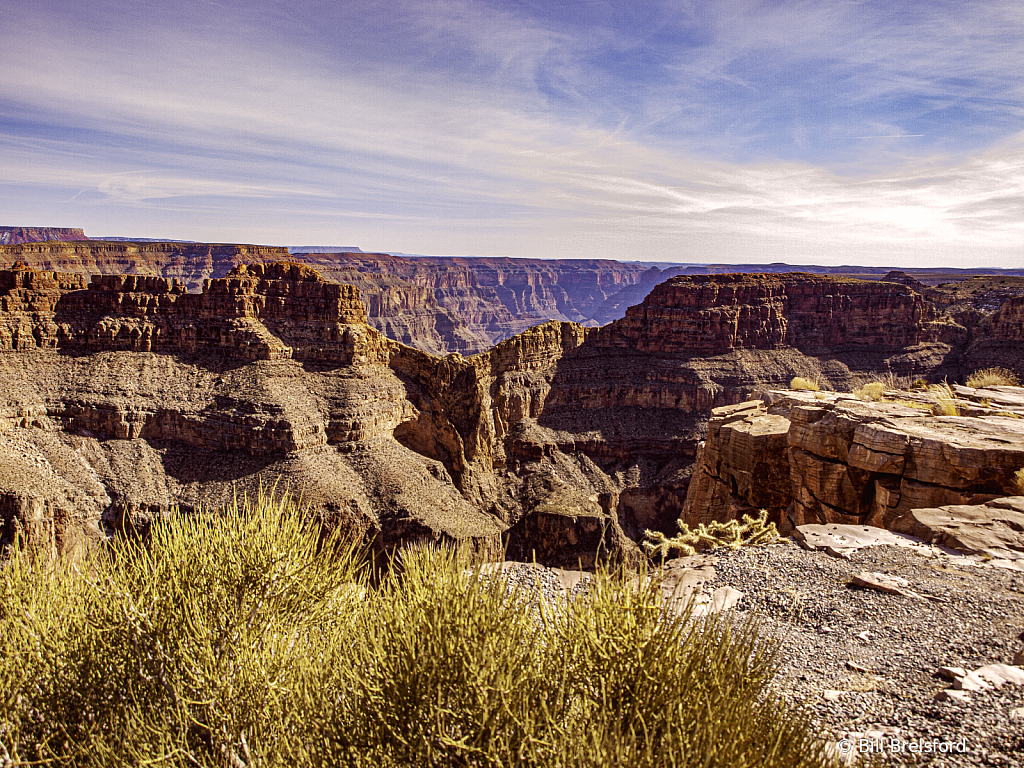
(799,382)
(918,384)
(871,391)
(233,639)
(1017,484)
(946,402)
(993,377)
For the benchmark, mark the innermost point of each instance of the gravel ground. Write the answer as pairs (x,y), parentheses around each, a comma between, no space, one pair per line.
(865,662)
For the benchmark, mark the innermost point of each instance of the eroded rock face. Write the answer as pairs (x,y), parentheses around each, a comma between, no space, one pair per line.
(715,313)
(439,305)
(16,235)
(188,263)
(994,529)
(562,432)
(846,461)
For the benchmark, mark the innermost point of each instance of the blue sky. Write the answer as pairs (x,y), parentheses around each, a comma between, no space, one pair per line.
(810,132)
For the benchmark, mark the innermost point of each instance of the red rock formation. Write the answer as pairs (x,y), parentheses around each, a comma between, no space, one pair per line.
(15,235)
(831,458)
(712,314)
(189,263)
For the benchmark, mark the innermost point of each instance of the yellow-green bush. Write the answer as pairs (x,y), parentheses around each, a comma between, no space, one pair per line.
(733,534)
(800,382)
(993,377)
(945,399)
(870,391)
(1017,484)
(233,640)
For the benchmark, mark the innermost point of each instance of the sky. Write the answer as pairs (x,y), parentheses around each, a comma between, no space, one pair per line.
(827,132)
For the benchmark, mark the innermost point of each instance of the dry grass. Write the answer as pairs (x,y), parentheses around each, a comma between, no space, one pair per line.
(233,640)
(945,399)
(799,382)
(993,377)
(872,391)
(1017,484)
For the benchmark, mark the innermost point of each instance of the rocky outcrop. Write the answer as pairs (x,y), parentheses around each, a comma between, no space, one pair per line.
(188,263)
(998,341)
(842,460)
(994,530)
(561,433)
(148,397)
(16,235)
(713,314)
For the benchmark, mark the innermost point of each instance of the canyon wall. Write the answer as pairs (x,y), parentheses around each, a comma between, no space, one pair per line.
(125,395)
(439,305)
(15,235)
(188,263)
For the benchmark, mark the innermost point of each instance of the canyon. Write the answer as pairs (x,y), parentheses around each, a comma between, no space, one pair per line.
(467,305)
(128,396)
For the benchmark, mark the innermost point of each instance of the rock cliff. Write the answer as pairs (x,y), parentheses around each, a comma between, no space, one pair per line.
(188,263)
(125,395)
(439,305)
(833,458)
(15,235)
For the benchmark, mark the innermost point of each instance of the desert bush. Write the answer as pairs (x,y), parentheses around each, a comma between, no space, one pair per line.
(235,639)
(799,382)
(993,377)
(1017,484)
(945,400)
(733,534)
(870,391)
(918,384)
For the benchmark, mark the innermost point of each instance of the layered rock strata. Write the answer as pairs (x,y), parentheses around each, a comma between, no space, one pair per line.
(16,235)
(568,441)
(827,458)
(188,263)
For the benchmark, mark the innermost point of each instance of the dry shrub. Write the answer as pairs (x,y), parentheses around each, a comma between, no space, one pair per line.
(1017,484)
(871,391)
(234,640)
(799,382)
(945,400)
(751,531)
(993,377)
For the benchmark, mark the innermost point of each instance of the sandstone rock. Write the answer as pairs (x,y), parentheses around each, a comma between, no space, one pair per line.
(17,235)
(741,464)
(721,600)
(843,540)
(990,676)
(947,694)
(952,673)
(995,529)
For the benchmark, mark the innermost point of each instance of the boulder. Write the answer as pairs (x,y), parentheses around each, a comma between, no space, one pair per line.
(994,529)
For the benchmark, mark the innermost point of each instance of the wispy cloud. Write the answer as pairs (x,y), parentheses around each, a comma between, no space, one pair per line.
(739,131)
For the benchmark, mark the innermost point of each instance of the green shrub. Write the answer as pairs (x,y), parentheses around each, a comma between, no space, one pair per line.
(993,377)
(731,533)
(232,639)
